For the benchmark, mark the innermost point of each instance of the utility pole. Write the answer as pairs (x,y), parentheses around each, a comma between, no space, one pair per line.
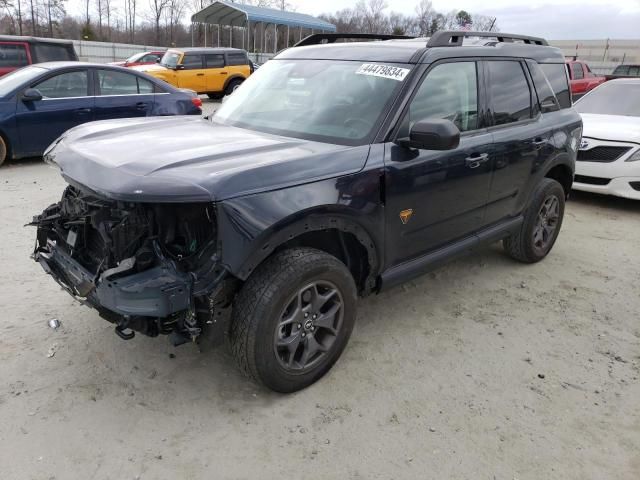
(492,24)
(20,17)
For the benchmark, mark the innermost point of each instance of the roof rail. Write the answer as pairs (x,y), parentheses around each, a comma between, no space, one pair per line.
(319,38)
(453,38)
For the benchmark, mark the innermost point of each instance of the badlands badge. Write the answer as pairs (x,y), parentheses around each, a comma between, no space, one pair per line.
(405,215)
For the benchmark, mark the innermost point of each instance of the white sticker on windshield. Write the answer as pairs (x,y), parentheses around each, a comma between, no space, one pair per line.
(384,71)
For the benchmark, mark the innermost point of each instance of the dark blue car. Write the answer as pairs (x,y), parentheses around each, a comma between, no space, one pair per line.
(40,102)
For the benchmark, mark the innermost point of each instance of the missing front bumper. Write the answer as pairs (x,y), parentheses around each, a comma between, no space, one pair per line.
(157,293)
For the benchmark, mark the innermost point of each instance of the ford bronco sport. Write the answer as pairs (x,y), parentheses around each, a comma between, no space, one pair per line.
(336,171)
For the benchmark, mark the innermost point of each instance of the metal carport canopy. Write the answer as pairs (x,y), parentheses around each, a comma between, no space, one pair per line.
(237,14)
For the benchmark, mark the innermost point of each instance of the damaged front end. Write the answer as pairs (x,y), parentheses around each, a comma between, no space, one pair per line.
(150,268)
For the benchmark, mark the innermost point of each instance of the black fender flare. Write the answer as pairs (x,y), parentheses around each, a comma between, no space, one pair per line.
(313,223)
(230,79)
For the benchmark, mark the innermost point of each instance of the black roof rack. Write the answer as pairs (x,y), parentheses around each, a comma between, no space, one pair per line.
(319,38)
(453,38)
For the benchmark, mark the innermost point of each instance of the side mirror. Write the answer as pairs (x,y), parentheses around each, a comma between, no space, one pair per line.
(180,67)
(432,134)
(158,60)
(31,95)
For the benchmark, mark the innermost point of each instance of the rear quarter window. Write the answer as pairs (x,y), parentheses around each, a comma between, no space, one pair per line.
(237,59)
(52,53)
(13,55)
(546,98)
(556,73)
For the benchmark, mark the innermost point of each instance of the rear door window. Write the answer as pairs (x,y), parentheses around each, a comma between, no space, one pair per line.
(556,73)
(13,55)
(509,93)
(65,85)
(214,61)
(112,82)
(52,53)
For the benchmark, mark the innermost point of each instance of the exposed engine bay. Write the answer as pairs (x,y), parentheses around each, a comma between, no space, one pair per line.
(151,268)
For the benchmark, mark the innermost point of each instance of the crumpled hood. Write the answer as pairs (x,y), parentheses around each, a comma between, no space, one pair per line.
(619,128)
(187,159)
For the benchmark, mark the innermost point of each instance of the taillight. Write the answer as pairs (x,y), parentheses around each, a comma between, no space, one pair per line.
(196,101)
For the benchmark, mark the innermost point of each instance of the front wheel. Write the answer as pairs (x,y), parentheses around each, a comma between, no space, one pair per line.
(293,318)
(541,226)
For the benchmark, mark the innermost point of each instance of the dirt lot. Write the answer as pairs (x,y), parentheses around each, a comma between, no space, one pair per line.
(485,369)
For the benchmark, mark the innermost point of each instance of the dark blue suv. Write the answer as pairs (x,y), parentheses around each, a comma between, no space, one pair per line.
(336,171)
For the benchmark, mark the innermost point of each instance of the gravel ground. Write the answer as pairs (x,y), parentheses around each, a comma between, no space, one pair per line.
(485,369)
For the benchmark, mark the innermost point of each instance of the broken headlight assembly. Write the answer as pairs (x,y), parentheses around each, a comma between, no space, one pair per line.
(151,268)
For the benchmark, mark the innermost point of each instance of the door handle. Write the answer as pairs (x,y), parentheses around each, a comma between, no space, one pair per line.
(199,74)
(141,106)
(539,142)
(82,111)
(475,160)
(224,73)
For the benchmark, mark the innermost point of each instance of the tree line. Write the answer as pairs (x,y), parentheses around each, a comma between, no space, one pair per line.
(373,16)
(166,22)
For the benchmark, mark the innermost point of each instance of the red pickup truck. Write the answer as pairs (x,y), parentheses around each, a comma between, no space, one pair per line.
(581,78)
(17,52)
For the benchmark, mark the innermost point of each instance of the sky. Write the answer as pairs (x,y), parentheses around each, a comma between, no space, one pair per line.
(551,19)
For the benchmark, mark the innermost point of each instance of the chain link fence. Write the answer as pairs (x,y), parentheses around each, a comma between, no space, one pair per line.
(601,55)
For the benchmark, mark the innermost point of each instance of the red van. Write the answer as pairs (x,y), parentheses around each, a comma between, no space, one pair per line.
(17,52)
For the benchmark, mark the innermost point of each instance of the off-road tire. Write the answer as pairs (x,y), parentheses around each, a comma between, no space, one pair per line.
(258,307)
(520,245)
(4,150)
(233,84)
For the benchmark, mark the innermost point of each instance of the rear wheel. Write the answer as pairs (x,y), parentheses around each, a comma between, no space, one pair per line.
(292,318)
(4,150)
(541,226)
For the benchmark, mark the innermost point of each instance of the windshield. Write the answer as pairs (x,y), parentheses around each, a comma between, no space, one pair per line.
(170,59)
(612,98)
(13,80)
(335,102)
(135,58)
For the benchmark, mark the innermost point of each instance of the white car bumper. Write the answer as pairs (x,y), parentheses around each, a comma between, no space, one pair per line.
(620,187)
(611,174)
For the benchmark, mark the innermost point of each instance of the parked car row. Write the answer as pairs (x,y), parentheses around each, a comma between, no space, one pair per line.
(212,71)
(38,103)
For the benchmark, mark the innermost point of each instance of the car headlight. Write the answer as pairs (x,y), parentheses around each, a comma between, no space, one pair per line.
(635,157)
